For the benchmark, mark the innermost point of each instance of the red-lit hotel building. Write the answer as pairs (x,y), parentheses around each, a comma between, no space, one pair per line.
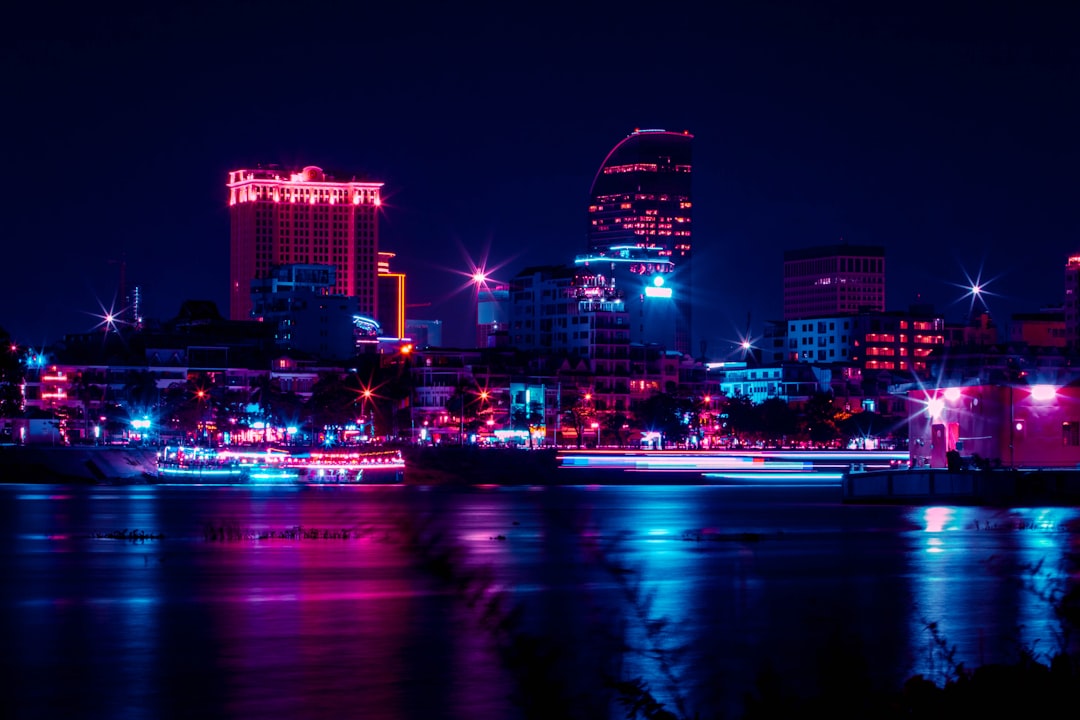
(641,197)
(281,217)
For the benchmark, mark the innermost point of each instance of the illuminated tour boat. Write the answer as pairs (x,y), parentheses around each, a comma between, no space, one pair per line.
(273,466)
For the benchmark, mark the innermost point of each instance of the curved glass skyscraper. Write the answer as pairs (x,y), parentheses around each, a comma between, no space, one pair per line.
(641,197)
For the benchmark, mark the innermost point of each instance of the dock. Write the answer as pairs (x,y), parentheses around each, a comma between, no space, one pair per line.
(920,486)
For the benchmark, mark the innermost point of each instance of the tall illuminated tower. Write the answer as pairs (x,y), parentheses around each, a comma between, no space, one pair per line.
(306,216)
(641,197)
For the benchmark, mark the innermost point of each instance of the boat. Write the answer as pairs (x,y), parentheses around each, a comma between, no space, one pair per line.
(345,467)
(272,466)
(199,465)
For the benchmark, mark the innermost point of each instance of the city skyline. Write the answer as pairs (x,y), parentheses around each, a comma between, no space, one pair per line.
(946,139)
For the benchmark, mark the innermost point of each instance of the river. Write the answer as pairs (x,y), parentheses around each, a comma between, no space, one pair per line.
(482,602)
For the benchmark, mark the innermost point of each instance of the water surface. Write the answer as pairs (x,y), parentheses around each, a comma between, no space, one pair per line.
(480,602)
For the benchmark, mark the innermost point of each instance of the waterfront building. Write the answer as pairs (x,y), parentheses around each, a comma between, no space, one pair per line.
(492,314)
(833,280)
(1045,328)
(1072,303)
(978,330)
(424,333)
(641,197)
(791,382)
(895,341)
(297,300)
(1021,423)
(560,311)
(652,286)
(281,217)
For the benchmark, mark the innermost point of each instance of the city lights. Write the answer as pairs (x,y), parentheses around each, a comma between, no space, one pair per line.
(975,290)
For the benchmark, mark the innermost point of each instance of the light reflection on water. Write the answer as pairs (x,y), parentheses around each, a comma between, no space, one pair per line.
(720,582)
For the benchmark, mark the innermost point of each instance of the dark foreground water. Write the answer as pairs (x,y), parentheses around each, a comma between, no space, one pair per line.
(477,603)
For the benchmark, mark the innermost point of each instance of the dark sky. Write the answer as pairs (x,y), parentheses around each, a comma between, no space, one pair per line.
(949,137)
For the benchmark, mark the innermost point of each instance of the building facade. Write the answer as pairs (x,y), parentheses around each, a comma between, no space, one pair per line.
(651,287)
(281,217)
(641,197)
(894,341)
(833,280)
(1072,303)
(559,310)
(1045,328)
(391,299)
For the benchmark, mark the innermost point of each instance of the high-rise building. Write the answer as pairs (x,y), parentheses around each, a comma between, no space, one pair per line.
(391,314)
(641,197)
(281,217)
(833,280)
(647,280)
(1072,303)
(492,313)
(559,310)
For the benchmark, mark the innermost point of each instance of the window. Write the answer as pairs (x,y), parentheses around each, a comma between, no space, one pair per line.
(1070,433)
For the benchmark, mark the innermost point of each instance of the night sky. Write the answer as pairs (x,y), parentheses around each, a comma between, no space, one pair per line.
(948,137)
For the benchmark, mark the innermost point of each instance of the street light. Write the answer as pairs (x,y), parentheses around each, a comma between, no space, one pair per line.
(366,394)
(479,278)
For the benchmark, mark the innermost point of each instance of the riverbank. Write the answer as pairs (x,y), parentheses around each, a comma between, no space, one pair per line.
(123,465)
(78,464)
(470,465)
(1046,486)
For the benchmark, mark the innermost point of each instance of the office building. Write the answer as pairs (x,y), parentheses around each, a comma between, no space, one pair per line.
(391,300)
(651,287)
(1072,303)
(282,217)
(299,303)
(893,341)
(641,197)
(492,314)
(559,310)
(833,280)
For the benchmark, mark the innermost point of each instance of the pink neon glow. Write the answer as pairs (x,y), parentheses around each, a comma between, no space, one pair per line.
(1043,393)
(952,394)
(934,406)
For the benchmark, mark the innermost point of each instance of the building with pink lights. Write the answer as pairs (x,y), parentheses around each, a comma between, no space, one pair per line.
(281,217)
(1008,425)
(641,197)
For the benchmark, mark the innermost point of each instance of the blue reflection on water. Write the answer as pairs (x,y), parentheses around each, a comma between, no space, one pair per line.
(983,585)
(694,589)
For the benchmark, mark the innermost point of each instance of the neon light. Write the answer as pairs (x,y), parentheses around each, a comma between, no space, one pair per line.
(935,406)
(658,292)
(952,394)
(1043,393)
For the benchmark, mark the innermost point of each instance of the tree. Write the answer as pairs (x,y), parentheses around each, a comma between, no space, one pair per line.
(777,420)
(11,377)
(333,402)
(581,416)
(819,418)
(663,413)
(616,424)
(742,419)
